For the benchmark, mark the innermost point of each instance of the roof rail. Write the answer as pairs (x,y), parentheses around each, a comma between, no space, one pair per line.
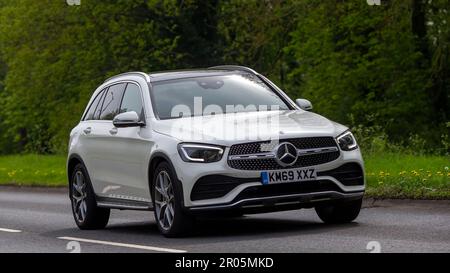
(142,74)
(234,67)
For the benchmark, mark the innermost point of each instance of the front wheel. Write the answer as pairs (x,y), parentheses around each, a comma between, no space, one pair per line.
(86,213)
(344,212)
(170,217)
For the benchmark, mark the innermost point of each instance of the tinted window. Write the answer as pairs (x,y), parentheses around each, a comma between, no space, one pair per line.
(243,92)
(132,101)
(98,109)
(110,107)
(90,113)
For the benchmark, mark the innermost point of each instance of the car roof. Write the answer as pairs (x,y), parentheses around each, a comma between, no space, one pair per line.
(181,74)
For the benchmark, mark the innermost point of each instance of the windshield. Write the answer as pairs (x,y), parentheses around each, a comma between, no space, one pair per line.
(214,95)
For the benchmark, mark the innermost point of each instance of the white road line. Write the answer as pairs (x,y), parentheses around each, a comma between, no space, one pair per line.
(151,248)
(10,230)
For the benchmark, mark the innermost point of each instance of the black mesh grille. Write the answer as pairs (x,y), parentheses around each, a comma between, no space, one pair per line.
(349,174)
(216,186)
(271,164)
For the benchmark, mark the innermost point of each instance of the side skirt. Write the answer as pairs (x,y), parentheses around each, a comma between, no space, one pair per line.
(122,204)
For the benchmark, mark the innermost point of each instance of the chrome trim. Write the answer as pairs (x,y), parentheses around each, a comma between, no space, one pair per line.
(251,156)
(142,74)
(325,150)
(233,67)
(112,205)
(334,195)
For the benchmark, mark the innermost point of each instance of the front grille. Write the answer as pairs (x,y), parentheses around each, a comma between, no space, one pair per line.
(272,164)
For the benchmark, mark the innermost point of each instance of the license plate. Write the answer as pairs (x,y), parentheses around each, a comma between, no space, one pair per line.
(285,176)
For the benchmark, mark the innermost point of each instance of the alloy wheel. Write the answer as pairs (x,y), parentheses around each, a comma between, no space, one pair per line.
(79,195)
(164,200)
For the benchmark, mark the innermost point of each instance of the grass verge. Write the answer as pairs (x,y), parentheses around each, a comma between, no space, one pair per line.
(408,176)
(33,170)
(388,175)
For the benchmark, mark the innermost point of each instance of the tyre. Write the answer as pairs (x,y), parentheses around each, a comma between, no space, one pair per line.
(167,196)
(344,212)
(86,213)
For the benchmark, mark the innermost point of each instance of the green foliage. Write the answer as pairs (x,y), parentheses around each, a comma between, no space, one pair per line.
(257,32)
(366,64)
(382,70)
(57,55)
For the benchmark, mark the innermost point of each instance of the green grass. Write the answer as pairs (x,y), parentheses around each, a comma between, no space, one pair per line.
(388,175)
(33,170)
(408,176)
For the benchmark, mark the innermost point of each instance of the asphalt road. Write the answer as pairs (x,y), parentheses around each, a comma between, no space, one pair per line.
(40,220)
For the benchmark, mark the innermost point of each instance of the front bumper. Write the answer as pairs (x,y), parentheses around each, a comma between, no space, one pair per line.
(190,173)
(281,202)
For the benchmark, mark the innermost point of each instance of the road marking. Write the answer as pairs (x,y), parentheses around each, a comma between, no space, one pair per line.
(10,230)
(151,248)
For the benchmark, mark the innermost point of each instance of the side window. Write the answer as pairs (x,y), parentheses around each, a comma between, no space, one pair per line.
(90,113)
(110,107)
(132,101)
(98,109)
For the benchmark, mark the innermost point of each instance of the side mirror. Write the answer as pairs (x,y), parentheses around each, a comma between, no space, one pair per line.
(127,119)
(304,104)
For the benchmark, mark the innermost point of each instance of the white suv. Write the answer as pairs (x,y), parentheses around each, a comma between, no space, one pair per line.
(222,140)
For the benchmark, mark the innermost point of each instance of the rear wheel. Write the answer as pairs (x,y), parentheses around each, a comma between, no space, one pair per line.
(344,212)
(86,213)
(167,194)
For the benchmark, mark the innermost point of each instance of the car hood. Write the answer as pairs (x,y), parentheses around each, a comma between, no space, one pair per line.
(227,129)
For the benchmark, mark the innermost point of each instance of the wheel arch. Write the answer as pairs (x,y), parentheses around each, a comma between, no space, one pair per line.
(155,160)
(73,160)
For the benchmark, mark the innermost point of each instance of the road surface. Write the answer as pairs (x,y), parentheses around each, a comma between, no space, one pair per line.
(40,220)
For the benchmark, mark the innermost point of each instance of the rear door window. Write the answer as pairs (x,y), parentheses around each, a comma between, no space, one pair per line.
(98,109)
(111,102)
(91,112)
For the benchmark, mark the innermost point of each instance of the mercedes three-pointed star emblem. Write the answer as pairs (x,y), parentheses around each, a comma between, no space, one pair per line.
(286,154)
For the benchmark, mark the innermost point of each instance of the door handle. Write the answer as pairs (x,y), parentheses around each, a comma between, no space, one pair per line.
(113,131)
(88,130)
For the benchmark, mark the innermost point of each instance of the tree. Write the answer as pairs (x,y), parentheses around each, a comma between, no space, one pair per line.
(438,40)
(256,33)
(57,55)
(359,61)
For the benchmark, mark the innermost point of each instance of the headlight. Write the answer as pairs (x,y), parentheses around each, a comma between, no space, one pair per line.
(347,141)
(200,153)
